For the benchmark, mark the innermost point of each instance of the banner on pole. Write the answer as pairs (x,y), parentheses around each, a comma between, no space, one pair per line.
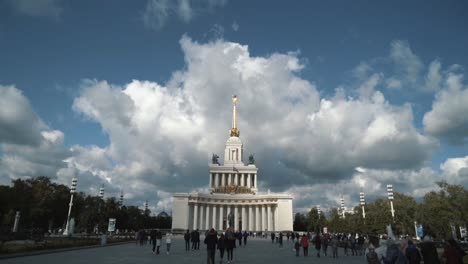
(111,227)
(463,232)
(420,231)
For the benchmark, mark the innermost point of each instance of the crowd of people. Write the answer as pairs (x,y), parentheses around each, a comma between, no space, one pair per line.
(374,249)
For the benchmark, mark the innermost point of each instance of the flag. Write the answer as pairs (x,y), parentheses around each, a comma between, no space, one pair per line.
(234,169)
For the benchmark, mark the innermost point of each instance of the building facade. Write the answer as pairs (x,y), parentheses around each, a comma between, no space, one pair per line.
(233,197)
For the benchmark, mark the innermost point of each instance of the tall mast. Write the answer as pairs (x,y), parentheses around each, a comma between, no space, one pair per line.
(234,131)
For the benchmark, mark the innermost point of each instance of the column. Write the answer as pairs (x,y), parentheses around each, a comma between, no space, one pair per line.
(241,178)
(228,211)
(269,217)
(195,216)
(263,217)
(275,217)
(236,218)
(218,180)
(214,216)
(235,176)
(257,222)
(244,222)
(221,216)
(229,179)
(207,218)
(211,180)
(255,181)
(248,180)
(200,222)
(250,219)
(223,179)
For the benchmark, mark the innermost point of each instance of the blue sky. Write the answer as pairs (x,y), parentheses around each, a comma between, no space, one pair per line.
(49,48)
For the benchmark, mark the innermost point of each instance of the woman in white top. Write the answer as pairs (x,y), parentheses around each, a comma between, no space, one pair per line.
(168,242)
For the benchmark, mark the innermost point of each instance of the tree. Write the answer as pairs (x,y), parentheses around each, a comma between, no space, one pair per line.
(299,222)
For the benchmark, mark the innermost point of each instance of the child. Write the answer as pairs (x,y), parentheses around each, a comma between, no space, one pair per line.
(168,242)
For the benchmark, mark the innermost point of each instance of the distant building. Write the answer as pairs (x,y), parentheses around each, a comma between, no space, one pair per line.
(234,198)
(163,214)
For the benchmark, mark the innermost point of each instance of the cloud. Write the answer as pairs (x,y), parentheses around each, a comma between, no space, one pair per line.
(434,77)
(157,12)
(448,119)
(28,147)
(235,26)
(408,65)
(18,122)
(162,136)
(403,69)
(38,8)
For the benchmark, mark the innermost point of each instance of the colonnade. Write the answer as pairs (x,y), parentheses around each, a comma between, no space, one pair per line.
(257,217)
(241,179)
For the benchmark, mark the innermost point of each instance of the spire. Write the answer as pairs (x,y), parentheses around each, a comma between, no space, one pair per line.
(234,131)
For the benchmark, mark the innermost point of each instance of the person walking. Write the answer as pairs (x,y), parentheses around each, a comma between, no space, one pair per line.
(187,240)
(168,242)
(153,240)
(280,239)
(325,244)
(221,247)
(372,257)
(231,243)
(334,245)
(412,253)
(318,244)
(197,240)
(158,241)
(305,245)
(211,240)
(429,251)
(239,237)
(453,254)
(245,235)
(272,237)
(297,246)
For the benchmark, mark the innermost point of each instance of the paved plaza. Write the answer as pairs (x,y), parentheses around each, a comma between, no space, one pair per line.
(257,251)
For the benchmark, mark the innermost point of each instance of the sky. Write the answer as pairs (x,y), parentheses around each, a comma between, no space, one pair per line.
(335,97)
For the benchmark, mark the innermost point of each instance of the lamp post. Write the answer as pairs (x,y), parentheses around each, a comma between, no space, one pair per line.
(390,198)
(318,211)
(121,199)
(146,206)
(101,192)
(72,192)
(362,201)
(342,207)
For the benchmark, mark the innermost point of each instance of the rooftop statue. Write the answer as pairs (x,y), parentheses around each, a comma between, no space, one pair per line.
(214,159)
(251,159)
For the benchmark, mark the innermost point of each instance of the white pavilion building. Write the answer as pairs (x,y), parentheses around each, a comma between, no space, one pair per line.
(233,195)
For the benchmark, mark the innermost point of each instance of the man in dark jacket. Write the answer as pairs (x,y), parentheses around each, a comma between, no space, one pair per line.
(187,240)
(211,241)
(197,240)
(429,251)
(153,240)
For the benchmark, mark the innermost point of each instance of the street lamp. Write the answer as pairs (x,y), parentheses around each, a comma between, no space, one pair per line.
(342,206)
(101,192)
(362,201)
(146,206)
(72,192)
(390,198)
(121,199)
(318,211)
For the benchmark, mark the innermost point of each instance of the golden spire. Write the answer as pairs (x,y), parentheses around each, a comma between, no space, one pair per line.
(234,131)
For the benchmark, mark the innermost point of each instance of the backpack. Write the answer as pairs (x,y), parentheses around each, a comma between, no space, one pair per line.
(372,257)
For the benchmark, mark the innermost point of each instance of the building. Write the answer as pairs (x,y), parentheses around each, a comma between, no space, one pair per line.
(234,198)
